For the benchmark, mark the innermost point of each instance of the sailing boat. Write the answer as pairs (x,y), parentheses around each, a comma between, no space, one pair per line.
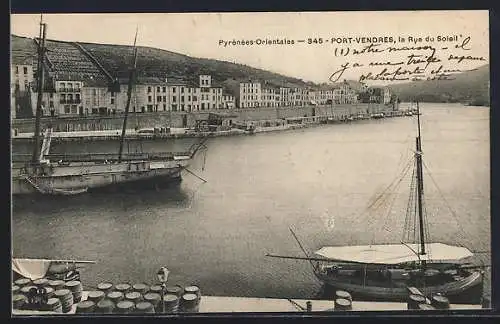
(70,174)
(389,271)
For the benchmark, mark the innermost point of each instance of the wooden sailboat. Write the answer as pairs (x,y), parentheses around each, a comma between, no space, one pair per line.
(387,271)
(69,174)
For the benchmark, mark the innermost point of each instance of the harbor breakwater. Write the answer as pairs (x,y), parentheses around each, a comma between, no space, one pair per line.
(180,119)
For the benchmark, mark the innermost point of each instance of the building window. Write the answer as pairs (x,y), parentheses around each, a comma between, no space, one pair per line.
(164,98)
(213,98)
(164,89)
(195,98)
(17,69)
(112,101)
(150,99)
(182,98)
(25,70)
(202,106)
(173,89)
(182,107)
(157,89)
(174,107)
(74,109)
(164,107)
(158,98)
(174,98)
(182,89)
(67,109)
(149,89)
(189,90)
(95,92)
(189,98)
(63,86)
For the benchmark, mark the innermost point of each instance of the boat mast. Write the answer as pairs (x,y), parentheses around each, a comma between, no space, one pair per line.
(420,186)
(129,95)
(38,116)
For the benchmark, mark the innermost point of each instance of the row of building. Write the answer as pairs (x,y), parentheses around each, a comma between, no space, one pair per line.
(66,95)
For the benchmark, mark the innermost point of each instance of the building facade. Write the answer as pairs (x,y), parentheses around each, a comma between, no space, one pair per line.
(250,94)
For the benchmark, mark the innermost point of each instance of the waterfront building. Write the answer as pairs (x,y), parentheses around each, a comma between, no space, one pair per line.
(250,94)
(344,94)
(285,96)
(228,101)
(269,96)
(94,97)
(21,79)
(21,74)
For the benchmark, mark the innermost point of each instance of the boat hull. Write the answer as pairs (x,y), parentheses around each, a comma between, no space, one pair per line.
(466,289)
(82,177)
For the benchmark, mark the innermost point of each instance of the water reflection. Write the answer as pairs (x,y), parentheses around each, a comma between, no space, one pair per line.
(173,195)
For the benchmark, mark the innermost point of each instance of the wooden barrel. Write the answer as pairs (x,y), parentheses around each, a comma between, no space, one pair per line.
(85,307)
(105,306)
(96,296)
(189,303)
(415,300)
(19,301)
(154,299)
(171,303)
(105,287)
(76,289)
(115,296)
(50,292)
(133,296)
(53,305)
(57,284)
(440,302)
(16,290)
(66,298)
(123,287)
(125,307)
(343,294)
(140,288)
(42,282)
(144,308)
(342,304)
(155,289)
(174,290)
(193,290)
(21,282)
(425,307)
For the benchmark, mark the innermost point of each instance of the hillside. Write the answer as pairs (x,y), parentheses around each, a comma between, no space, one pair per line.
(152,62)
(471,87)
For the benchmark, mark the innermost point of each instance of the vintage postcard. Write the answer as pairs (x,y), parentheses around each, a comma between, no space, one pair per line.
(318,162)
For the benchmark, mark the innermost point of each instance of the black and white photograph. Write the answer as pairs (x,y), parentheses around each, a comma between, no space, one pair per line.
(250,162)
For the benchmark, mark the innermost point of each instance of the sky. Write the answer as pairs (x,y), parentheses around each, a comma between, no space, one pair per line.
(203,35)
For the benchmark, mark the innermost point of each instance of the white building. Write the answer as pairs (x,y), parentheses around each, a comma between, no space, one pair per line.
(250,94)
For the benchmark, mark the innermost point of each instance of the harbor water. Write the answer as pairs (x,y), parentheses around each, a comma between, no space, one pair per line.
(318,181)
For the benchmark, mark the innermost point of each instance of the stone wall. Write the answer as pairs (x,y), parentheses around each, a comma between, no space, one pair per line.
(182,119)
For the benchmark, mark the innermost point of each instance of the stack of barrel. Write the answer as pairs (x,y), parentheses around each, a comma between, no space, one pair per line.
(417,301)
(19,293)
(343,301)
(140,298)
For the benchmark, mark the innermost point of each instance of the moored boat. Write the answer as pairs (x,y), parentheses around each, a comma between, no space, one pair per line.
(72,174)
(387,271)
